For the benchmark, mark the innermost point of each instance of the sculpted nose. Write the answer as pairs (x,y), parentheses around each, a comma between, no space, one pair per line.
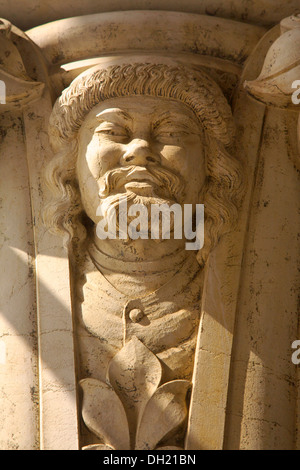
(139,153)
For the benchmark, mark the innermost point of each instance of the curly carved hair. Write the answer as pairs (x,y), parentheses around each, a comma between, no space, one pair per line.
(224,178)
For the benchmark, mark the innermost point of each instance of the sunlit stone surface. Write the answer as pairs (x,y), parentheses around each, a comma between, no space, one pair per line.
(124,343)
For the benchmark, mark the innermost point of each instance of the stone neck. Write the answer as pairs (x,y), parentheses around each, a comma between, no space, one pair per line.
(139,250)
(139,277)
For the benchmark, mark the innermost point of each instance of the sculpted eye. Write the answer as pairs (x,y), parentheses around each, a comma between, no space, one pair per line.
(170,135)
(113,130)
(176,133)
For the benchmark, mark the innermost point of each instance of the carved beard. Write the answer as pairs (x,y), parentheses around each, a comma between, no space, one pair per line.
(167,188)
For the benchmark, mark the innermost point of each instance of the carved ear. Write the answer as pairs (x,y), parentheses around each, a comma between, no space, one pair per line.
(104,414)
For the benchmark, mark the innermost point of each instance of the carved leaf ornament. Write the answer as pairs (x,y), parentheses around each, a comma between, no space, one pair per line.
(131,410)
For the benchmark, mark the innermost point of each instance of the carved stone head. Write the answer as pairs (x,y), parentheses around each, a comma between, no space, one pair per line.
(155,131)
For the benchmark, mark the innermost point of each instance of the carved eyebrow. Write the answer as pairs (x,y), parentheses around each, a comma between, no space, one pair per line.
(168,118)
(114,114)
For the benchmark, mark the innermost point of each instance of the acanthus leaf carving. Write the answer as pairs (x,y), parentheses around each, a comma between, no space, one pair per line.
(164,412)
(97,447)
(133,412)
(20,88)
(134,373)
(104,414)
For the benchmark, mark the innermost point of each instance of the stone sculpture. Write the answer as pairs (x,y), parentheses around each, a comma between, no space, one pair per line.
(125,342)
(150,133)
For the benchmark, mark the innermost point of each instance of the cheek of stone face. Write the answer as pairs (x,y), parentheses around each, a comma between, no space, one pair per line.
(103,155)
(88,186)
(188,161)
(90,198)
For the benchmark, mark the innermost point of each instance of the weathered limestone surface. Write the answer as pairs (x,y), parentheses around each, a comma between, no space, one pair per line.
(143,344)
(261,12)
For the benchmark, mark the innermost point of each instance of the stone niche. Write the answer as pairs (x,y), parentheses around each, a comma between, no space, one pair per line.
(139,343)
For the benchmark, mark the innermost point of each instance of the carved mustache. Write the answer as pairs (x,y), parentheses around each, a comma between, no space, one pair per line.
(168,182)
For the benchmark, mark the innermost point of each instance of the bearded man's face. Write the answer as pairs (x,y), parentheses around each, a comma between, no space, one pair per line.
(144,149)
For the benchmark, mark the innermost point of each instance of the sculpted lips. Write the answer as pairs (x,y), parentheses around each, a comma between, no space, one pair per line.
(133,175)
(142,178)
(140,175)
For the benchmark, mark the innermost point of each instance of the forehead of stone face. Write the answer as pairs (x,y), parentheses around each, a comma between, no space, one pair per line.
(137,110)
